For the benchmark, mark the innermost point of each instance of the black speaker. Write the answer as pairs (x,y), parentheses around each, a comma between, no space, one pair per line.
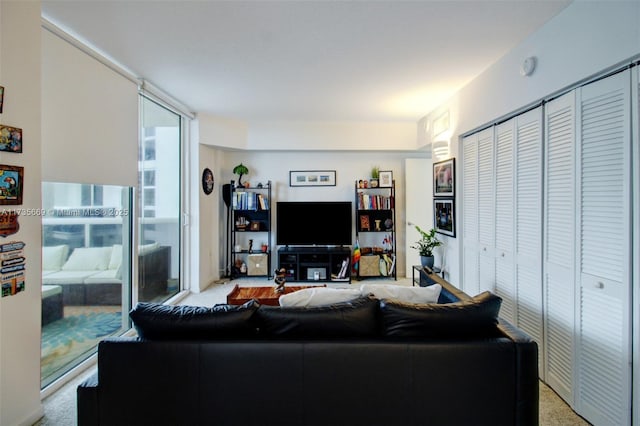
(226,193)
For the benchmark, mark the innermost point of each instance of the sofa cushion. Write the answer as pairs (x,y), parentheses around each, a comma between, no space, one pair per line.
(110,276)
(427,294)
(53,257)
(318,296)
(356,318)
(477,317)
(67,277)
(88,259)
(164,322)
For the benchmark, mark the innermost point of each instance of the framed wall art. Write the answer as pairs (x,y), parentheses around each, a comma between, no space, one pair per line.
(312,178)
(444,178)
(1,98)
(10,139)
(444,217)
(385,179)
(11,184)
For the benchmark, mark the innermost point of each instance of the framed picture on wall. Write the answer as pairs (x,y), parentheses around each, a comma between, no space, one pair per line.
(10,139)
(312,178)
(444,217)
(444,178)
(11,185)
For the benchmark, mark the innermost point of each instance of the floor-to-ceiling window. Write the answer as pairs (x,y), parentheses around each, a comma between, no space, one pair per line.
(86,278)
(159,198)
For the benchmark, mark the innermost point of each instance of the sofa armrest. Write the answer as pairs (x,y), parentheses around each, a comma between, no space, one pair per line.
(87,393)
(527,392)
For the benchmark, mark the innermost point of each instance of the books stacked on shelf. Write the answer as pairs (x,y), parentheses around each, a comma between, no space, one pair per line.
(247,200)
(374,202)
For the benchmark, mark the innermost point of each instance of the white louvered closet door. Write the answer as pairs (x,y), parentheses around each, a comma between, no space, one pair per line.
(504,196)
(470,282)
(528,225)
(559,244)
(604,340)
(486,211)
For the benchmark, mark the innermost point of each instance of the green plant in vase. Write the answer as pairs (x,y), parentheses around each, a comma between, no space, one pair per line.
(375,175)
(425,246)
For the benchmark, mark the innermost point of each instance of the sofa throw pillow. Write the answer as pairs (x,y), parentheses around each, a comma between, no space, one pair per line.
(318,296)
(427,294)
(147,248)
(476,317)
(53,257)
(88,259)
(356,318)
(154,321)
(116,257)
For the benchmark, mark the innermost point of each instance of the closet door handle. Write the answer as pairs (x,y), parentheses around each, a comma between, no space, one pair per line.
(599,284)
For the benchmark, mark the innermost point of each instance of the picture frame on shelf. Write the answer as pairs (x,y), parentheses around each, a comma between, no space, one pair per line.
(11,178)
(444,178)
(444,217)
(364,223)
(385,179)
(312,178)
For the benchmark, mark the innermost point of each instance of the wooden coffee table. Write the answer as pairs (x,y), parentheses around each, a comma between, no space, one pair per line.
(264,295)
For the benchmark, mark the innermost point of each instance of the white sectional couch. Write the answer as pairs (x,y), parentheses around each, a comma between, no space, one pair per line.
(93,275)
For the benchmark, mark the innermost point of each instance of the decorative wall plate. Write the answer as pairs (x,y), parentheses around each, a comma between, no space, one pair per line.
(207,181)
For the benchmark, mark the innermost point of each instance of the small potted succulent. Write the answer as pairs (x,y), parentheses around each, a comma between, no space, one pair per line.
(425,246)
(375,174)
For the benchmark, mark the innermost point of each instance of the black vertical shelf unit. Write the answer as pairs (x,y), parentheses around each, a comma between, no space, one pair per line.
(375,220)
(250,219)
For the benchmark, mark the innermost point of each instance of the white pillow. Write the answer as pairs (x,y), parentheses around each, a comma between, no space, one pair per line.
(146,248)
(318,296)
(428,294)
(116,257)
(88,259)
(53,257)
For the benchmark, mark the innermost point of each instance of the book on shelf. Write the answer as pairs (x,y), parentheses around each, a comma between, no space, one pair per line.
(247,200)
(374,202)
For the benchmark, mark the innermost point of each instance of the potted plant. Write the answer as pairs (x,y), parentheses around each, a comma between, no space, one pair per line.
(425,246)
(375,174)
(240,170)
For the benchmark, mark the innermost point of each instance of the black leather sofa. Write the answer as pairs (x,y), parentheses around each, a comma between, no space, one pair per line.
(364,362)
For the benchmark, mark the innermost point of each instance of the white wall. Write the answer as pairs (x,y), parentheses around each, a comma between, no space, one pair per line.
(211,249)
(583,40)
(332,136)
(20,314)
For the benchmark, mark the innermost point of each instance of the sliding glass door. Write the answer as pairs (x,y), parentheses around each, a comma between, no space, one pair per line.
(86,278)
(159,198)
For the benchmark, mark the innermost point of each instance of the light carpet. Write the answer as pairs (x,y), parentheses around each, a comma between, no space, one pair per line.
(60,408)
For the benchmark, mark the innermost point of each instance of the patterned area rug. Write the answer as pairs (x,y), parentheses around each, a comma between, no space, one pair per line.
(74,337)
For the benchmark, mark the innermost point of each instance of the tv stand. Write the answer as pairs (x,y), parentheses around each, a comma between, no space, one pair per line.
(318,264)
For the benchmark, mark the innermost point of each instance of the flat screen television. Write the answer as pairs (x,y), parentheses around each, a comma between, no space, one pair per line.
(313,223)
